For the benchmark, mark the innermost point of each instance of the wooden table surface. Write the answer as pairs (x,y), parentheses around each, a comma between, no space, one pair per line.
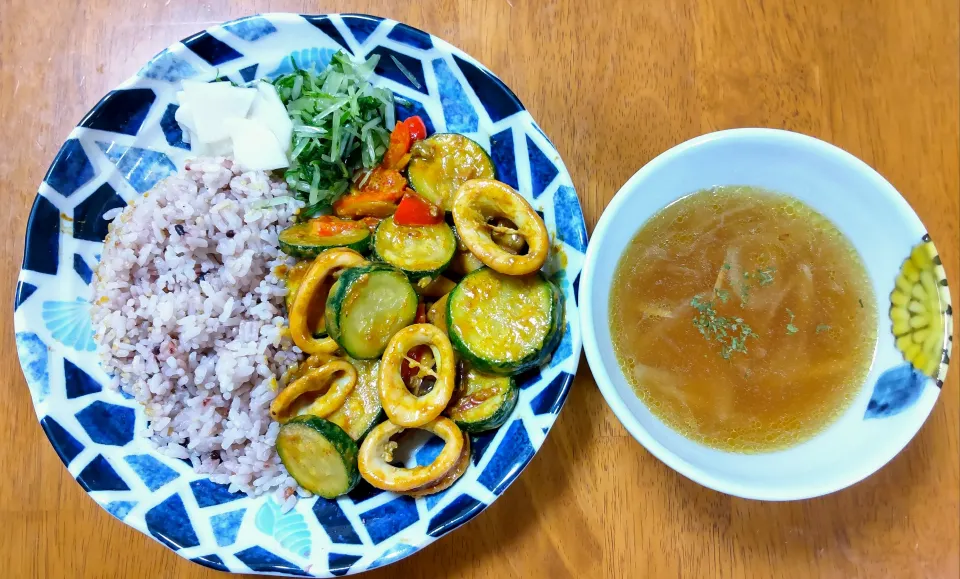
(613,83)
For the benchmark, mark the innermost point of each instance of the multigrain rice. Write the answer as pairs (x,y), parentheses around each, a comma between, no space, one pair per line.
(189,319)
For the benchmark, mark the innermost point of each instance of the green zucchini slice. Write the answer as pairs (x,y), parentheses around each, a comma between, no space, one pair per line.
(362,409)
(367,306)
(482,401)
(418,251)
(319,455)
(440,164)
(302,241)
(504,324)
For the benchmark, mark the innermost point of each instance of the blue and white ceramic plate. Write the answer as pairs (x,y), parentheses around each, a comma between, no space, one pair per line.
(127,143)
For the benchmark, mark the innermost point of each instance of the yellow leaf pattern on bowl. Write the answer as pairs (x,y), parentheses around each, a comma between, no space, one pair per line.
(920,311)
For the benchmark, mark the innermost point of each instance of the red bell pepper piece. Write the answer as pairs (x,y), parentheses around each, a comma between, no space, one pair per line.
(418,130)
(417,211)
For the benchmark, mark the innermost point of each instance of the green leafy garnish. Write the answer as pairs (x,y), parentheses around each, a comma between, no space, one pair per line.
(765,276)
(731,333)
(791,329)
(822,328)
(723,294)
(341,122)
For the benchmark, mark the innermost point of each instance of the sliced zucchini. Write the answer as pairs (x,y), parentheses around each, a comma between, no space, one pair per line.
(482,401)
(367,306)
(440,164)
(319,455)
(504,324)
(315,320)
(418,251)
(302,241)
(362,409)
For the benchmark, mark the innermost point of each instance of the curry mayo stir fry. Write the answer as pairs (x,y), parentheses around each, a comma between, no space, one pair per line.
(413,319)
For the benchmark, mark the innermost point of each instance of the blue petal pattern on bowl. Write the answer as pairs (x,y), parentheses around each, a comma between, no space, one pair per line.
(129,142)
(69,323)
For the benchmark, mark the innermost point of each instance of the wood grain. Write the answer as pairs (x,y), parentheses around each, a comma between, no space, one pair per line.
(613,83)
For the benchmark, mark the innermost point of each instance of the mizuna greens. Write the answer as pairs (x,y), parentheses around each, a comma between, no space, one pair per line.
(341,122)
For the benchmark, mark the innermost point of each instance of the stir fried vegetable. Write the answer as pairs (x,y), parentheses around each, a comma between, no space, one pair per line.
(340,124)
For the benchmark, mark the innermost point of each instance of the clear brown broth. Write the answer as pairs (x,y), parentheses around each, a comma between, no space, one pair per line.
(798,373)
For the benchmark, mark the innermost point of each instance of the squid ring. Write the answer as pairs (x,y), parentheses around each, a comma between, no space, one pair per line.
(376,453)
(447,480)
(295,399)
(477,201)
(403,408)
(323,266)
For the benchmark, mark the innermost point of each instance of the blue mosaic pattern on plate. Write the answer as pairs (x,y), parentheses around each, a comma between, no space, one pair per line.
(71,169)
(247,74)
(497,100)
(515,451)
(528,378)
(78,383)
(410,36)
(453,515)
(361,25)
(24,291)
(88,221)
(368,528)
(387,67)
(324,24)
(895,391)
(151,471)
(62,441)
(564,349)
(457,109)
(566,207)
(504,158)
(214,51)
(307,59)
(551,398)
(479,444)
(339,564)
(209,493)
(393,554)
(100,476)
(389,519)
(363,492)
(171,128)
(259,559)
(69,323)
(107,423)
(121,111)
(120,509)
(33,358)
(83,270)
(211,561)
(408,107)
(170,524)
(142,168)
(169,67)
(542,169)
(41,247)
(251,28)
(336,524)
(289,529)
(226,526)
